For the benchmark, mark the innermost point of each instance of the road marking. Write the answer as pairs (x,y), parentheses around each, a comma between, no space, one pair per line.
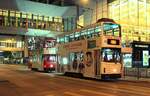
(72,94)
(95,92)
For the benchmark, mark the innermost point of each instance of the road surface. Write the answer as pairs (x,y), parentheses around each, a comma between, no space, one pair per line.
(17,80)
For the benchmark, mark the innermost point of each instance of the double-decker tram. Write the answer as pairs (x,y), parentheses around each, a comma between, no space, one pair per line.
(93,51)
(43,59)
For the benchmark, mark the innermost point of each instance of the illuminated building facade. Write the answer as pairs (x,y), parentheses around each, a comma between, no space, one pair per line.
(21,20)
(133,15)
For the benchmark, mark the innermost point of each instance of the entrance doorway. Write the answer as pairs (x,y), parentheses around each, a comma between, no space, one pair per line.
(97,62)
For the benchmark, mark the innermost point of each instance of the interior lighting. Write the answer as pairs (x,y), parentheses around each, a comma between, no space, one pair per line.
(114,70)
(37,32)
(65,61)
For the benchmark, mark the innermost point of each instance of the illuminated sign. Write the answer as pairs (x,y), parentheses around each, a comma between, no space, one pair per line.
(127,60)
(143,46)
(113,42)
(145,58)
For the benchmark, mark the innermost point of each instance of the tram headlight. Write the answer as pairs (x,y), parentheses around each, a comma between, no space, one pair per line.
(51,66)
(114,70)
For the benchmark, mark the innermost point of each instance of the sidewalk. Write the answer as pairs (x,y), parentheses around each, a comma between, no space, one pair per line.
(136,79)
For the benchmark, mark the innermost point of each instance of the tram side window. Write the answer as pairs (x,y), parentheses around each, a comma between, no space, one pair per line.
(108,29)
(82,37)
(83,34)
(77,35)
(98,31)
(62,40)
(89,33)
(71,38)
(76,59)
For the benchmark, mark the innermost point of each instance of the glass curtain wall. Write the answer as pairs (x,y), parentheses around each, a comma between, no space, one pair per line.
(94,10)
(134,17)
(9,18)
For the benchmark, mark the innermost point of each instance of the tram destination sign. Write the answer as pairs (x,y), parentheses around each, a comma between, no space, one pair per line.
(113,42)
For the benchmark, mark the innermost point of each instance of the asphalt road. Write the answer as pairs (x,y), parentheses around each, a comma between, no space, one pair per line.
(16,80)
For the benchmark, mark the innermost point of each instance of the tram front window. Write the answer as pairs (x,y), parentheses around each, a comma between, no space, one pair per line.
(111,55)
(112,29)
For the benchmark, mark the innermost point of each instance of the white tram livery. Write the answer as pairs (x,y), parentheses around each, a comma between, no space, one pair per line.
(93,51)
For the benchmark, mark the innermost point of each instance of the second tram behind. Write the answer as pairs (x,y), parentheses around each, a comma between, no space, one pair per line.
(44,58)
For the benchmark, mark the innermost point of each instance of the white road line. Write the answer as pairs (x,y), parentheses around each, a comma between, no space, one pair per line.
(95,92)
(72,94)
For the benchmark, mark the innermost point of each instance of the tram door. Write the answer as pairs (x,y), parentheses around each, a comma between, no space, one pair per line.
(97,62)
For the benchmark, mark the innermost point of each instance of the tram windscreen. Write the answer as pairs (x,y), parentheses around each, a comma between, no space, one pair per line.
(111,55)
(111,29)
(50,58)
